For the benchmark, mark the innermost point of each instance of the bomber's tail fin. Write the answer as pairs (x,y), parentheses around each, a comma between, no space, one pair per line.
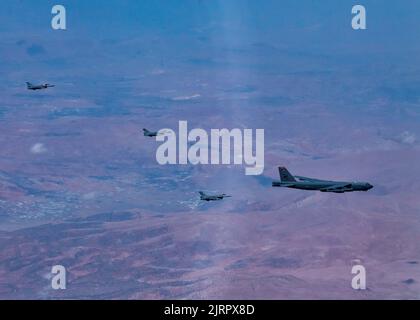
(285,175)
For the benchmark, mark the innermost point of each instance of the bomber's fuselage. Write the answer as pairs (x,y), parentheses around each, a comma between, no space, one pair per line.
(325,185)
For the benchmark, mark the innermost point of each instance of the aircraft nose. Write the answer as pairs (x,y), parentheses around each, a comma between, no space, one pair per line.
(369,186)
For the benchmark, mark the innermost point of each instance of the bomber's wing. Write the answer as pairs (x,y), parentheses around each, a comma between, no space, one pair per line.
(339,187)
(300,178)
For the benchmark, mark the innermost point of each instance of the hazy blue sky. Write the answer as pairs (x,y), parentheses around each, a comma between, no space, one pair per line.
(393,20)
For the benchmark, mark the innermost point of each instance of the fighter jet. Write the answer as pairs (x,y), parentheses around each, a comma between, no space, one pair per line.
(303,183)
(148,133)
(206,197)
(31,86)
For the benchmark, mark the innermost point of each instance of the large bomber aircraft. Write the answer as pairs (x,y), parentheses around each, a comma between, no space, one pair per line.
(304,183)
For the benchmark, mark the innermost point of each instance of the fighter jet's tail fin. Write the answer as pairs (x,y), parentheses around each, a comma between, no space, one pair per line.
(28,84)
(285,175)
(201,193)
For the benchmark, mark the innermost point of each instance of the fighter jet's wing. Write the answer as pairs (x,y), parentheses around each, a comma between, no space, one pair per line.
(162,132)
(156,133)
(339,187)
